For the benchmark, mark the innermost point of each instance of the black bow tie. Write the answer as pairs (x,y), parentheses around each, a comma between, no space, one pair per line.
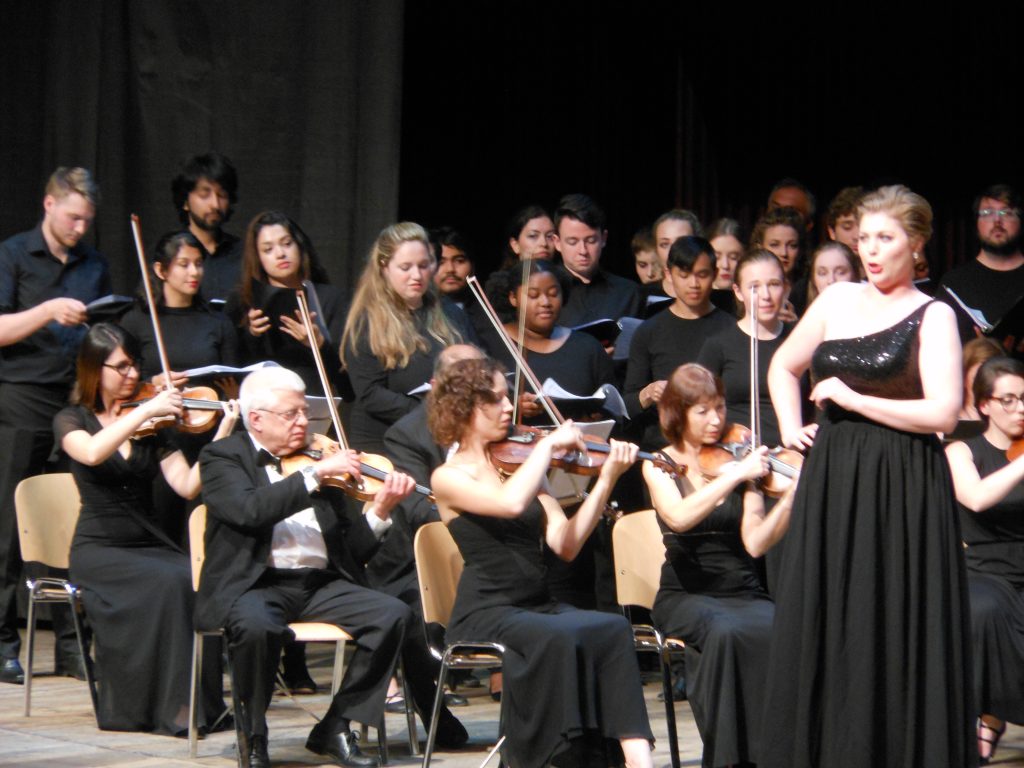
(266,459)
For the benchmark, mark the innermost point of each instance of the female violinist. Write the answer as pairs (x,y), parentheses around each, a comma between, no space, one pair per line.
(567,673)
(136,586)
(710,594)
(990,489)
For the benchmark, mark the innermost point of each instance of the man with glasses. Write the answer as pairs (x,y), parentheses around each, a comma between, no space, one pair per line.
(47,276)
(993,281)
(287,547)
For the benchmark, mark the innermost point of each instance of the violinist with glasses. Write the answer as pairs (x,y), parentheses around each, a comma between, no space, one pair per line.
(283,545)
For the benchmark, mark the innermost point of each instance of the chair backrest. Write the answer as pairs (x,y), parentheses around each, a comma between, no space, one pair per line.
(47,509)
(639,553)
(439,568)
(197,542)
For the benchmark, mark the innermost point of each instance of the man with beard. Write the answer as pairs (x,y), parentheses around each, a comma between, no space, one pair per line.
(992,282)
(454,265)
(47,276)
(204,195)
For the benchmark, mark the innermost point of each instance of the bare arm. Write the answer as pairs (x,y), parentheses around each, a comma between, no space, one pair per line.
(456,490)
(681,513)
(565,536)
(760,531)
(183,479)
(16,326)
(92,450)
(941,382)
(981,493)
(788,364)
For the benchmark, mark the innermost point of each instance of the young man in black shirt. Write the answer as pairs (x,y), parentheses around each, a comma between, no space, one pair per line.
(205,193)
(47,276)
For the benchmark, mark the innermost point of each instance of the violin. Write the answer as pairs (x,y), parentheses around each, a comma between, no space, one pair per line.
(374,469)
(1016,449)
(510,453)
(201,407)
(735,444)
(371,466)
(200,410)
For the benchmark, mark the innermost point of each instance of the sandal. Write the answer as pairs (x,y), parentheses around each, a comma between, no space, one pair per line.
(996,733)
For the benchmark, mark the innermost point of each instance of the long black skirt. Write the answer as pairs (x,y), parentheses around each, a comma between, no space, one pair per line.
(997,626)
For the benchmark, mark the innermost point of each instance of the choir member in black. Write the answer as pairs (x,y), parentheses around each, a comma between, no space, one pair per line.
(990,489)
(136,584)
(673,337)
(726,237)
(575,360)
(193,334)
(831,262)
(726,353)
(714,521)
(567,673)
(396,326)
(47,276)
(781,231)
(204,195)
(277,259)
(531,235)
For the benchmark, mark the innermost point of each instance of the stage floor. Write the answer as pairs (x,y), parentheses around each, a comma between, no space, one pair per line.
(62,731)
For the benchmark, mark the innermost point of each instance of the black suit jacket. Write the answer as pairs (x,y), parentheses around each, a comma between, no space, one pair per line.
(242,508)
(411,448)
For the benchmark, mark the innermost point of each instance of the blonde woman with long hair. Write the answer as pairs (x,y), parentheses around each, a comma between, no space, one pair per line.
(395,329)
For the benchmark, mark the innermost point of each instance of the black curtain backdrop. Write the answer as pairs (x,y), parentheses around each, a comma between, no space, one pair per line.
(304,97)
(649,105)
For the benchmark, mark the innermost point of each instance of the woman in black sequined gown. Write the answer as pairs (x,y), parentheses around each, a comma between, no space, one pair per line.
(870,653)
(570,676)
(990,489)
(710,595)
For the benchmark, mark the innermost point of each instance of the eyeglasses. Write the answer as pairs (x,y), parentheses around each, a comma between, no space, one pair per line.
(1002,213)
(124,367)
(289,417)
(1009,402)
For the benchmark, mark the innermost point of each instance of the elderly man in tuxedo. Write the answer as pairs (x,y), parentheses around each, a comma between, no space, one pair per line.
(286,548)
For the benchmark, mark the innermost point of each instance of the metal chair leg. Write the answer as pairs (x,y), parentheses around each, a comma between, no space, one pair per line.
(193,701)
(670,710)
(31,647)
(436,713)
(410,714)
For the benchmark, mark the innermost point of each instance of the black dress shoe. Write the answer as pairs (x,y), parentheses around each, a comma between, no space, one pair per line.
(11,672)
(258,756)
(343,747)
(455,700)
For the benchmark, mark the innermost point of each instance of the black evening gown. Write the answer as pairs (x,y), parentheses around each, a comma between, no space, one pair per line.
(137,593)
(711,597)
(568,675)
(870,651)
(994,541)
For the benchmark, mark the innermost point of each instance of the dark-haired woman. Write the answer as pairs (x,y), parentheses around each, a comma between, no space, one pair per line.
(136,586)
(710,594)
(575,360)
(396,327)
(569,675)
(990,489)
(531,235)
(278,258)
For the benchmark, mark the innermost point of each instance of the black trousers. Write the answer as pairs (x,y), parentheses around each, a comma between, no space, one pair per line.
(257,628)
(26,442)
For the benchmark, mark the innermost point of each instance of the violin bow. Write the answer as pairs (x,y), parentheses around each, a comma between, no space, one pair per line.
(147,284)
(332,407)
(755,380)
(524,281)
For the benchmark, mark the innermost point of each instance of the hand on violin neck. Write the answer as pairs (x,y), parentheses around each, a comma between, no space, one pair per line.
(621,456)
(178,380)
(566,437)
(232,411)
(338,464)
(754,465)
(397,486)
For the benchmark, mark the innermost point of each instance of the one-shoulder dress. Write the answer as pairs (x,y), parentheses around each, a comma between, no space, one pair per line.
(137,592)
(870,653)
(711,597)
(994,548)
(568,675)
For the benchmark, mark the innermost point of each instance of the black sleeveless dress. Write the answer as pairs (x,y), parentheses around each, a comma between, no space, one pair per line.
(870,653)
(994,541)
(567,673)
(137,592)
(711,597)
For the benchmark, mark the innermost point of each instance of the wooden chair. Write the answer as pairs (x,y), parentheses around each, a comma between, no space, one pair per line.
(47,510)
(639,552)
(439,566)
(305,631)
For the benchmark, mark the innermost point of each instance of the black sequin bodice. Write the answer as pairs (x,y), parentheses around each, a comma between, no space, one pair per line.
(882,364)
